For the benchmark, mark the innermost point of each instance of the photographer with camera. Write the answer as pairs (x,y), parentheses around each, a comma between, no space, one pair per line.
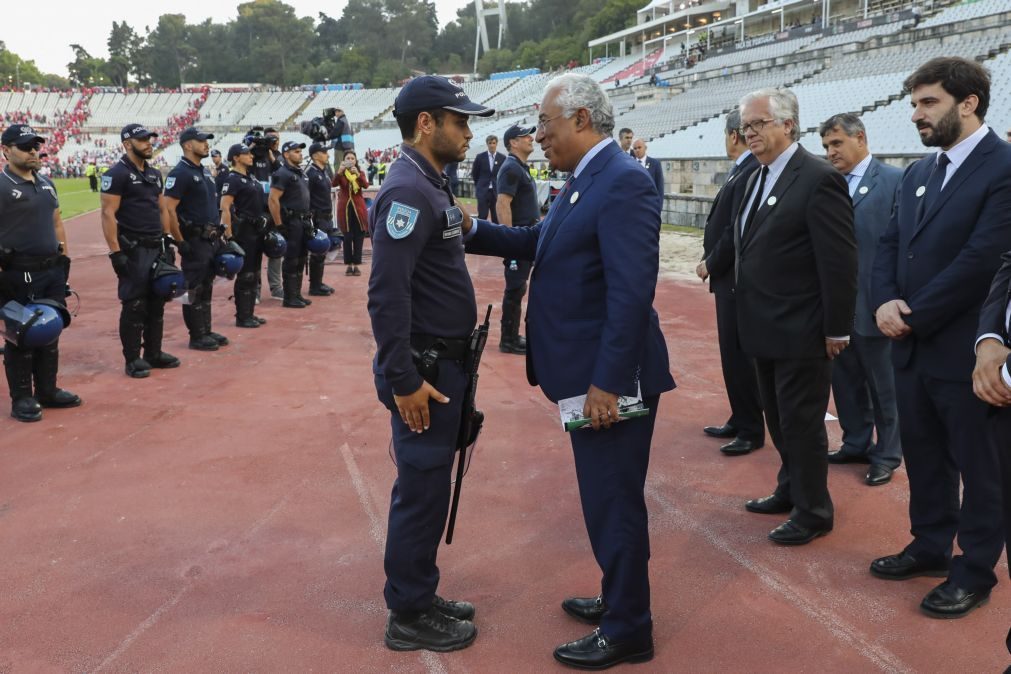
(290,212)
(352,216)
(331,129)
(244,221)
(262,144)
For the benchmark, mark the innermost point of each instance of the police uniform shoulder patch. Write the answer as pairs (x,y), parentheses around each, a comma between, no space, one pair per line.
(224,188)
(401,220)
(170,182)
(106,183)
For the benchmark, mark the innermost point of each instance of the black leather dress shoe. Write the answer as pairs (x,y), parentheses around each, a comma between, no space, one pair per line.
(597,651)
(724,431)
(59,398)
(904,566)
(768,505)
(841,457)
(948,601)
(585,609)
(878,475)
(461,610)
(430,631)
(793,533)
(739,447)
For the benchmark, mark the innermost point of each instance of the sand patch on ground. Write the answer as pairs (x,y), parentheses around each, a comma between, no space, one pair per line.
(680,254)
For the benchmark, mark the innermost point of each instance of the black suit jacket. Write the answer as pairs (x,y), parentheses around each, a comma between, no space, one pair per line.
(993,315)
(484,176)
(797,263)
(718,242)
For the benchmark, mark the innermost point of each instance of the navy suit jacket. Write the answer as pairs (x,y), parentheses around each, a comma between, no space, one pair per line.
(993,315)
(718,241)
(483,175)
(942,264)
(872,209)
(590,316)
(655,171)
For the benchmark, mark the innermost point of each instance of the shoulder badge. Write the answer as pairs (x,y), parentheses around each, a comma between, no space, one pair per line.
(170,182)
(106,183)
(401,220)
(224,188)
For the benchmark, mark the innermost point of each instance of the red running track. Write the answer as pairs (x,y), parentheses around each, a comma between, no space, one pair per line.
(230,516)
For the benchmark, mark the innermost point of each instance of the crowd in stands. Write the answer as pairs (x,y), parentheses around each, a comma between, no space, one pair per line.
(176,123)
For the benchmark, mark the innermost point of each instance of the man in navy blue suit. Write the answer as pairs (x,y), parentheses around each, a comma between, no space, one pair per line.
(592,330)
(932,271)
(484,171)
(863,383)
(651,165)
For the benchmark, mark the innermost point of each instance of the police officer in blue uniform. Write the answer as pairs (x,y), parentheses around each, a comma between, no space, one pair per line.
(219,170)
(192,205)
(421,297)
(135,229)
(291,214)
(516,205)
(244,221)
(33,266)
(321,203)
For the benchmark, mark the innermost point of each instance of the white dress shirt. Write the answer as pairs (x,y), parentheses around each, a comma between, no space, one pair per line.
(854,177)
(959,153)
(775,170)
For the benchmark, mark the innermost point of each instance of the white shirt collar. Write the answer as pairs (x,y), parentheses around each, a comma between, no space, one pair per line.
(590,155)
(780,162)
(961,152)
(860,169)
(744,155)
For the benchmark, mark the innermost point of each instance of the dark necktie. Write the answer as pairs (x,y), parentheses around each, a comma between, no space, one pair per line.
(764,171)
(934,183)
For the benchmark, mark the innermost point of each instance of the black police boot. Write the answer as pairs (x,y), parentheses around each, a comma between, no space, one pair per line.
(510,329)
(154,329)
(431,630)
(316,285)
(45,365)
(18,366)
(205,313)
(132,317)
(199,339)
(138,368)
(290,283)
(298,287)
(519,340)
(245,300)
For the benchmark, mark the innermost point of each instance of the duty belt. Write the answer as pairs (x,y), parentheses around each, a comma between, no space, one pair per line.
(147,241)
(289,214)
(209,231)
(448,348)
(29,262)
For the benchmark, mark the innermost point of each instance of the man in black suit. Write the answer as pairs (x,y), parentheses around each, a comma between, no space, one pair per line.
(745,424)
(484,171)
(651,165)
(796,291)
(933,269)
(863,383)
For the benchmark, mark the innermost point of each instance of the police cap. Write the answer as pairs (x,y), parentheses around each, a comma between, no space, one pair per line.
(318,147)
(237,149)
(516,131)
(20,134)
(215,152)
(136,131)
(191,133)
(292,145)
(431,92)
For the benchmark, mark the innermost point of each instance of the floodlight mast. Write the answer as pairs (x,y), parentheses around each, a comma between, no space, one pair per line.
(481,38)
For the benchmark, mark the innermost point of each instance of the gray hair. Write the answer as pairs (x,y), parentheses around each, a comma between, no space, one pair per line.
(783,106)
(849,123)
(733,121)
(582,91)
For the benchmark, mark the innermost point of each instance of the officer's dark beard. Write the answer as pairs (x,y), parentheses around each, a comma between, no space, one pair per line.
(945,132)
(140,155)
(444,150)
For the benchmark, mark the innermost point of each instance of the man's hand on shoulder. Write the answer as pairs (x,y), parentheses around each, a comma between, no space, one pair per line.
(601,408)
(987,381)
(467,222)
(889,318)
(413,408)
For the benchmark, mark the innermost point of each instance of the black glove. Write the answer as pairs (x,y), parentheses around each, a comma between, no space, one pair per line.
(120,263)
(64,262)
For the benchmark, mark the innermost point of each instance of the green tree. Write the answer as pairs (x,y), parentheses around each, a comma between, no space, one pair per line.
(85,69)
(123,45)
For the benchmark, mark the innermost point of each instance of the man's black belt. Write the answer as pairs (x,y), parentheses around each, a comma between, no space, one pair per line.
(210,231)
(322,215)
(29,262)
(291,214)
(448,348)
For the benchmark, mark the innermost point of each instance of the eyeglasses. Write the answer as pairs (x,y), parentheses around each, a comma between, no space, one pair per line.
(543,123)
(755,126)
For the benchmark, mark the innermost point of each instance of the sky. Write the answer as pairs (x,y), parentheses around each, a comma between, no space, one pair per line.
(88,23)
